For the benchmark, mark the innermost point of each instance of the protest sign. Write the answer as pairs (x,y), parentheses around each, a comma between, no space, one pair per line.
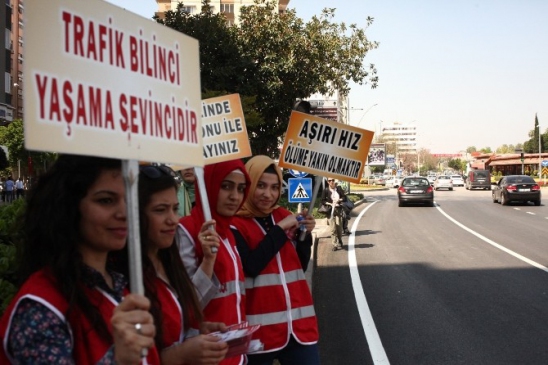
(103,81)
(323,147)
(223,129)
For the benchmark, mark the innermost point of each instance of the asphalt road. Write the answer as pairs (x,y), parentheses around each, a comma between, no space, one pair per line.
(465,282)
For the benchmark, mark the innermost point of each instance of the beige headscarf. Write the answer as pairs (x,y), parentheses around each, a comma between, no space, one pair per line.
(255,167)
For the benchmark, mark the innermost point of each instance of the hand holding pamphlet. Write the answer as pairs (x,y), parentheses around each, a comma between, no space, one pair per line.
(238,338)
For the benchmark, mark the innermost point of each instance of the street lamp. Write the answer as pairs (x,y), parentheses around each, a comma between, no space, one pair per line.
(363,115)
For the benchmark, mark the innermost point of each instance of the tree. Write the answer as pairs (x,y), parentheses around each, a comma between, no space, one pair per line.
(471,149)
(13,138)
(532,145)
(276,59)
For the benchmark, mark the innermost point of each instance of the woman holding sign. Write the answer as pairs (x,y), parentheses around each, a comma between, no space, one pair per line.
(208,248)
(275,256)
(174,304)
(72,307)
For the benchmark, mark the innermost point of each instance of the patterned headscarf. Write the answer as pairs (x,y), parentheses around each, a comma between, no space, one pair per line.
(255,168)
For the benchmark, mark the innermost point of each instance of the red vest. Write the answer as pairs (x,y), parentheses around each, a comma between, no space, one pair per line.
(172,314)
(279,297)
(88,346)
(228,305)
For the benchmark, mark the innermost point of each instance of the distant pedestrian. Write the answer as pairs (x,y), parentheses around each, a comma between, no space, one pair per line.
(19,188)
(10,187)
(3,189)
(185,193)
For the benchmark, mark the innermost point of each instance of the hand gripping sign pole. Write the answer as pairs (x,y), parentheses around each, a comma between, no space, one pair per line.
(199,171)
(130,171)
(318,181)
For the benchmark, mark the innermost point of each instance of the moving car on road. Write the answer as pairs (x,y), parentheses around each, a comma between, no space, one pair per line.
(443,182)
(478,179)
(513,188)
(457,180)
(415,190)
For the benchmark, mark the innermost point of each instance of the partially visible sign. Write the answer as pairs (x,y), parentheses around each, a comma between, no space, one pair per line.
(223,129)
(113,84)
(326,148)
(544,163)
(300,190)
(296,173)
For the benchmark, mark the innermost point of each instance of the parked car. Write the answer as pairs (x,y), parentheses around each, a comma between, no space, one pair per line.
(415,190)
(457,180)
(513,188)
(443,182)
(376,180)
(478,179)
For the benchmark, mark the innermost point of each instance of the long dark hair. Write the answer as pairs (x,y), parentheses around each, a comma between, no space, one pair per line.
(173,265)
(51,222)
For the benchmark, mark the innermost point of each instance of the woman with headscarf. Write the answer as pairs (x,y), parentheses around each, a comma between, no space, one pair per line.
(274,259)
(217,273)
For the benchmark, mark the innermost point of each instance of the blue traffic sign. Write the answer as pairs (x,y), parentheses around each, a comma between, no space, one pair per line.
(299,190)
(296,173)
(544,163)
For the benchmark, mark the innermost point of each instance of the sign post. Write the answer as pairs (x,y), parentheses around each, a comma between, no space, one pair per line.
(325,148)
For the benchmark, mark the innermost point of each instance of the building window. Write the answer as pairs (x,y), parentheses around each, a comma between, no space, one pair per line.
(227,8)
(187,9)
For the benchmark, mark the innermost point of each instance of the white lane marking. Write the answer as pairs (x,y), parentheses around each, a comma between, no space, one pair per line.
(373,340)
(531,213)
(493,243)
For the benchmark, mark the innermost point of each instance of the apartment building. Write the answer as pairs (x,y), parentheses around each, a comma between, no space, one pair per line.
(231,8)
(10,99)
(404,135)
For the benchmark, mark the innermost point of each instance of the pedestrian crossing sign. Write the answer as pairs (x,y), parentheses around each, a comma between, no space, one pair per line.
(299,190)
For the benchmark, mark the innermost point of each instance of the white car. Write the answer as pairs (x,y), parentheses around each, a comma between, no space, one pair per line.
(443,182)
(431,179)
(393,182)
(457,180)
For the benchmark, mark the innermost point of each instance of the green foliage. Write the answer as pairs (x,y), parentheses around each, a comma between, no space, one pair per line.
(10,233)
(12,137)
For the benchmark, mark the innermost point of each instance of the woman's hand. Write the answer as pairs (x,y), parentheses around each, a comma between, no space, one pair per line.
(202,350)
(208,327)
(209,240)
(132,329)
(288,223)
(308,220)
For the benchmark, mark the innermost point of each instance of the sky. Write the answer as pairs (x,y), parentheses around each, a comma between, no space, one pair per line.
(465,73)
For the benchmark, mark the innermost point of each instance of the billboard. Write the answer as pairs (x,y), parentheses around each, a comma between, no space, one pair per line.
(377,155)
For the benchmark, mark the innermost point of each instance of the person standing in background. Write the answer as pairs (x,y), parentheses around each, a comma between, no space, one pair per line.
(186,191)
(19,188)
(9,187)
(334,196)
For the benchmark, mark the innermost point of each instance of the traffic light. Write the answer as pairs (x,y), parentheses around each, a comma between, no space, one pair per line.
(302,106)
(522,157)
